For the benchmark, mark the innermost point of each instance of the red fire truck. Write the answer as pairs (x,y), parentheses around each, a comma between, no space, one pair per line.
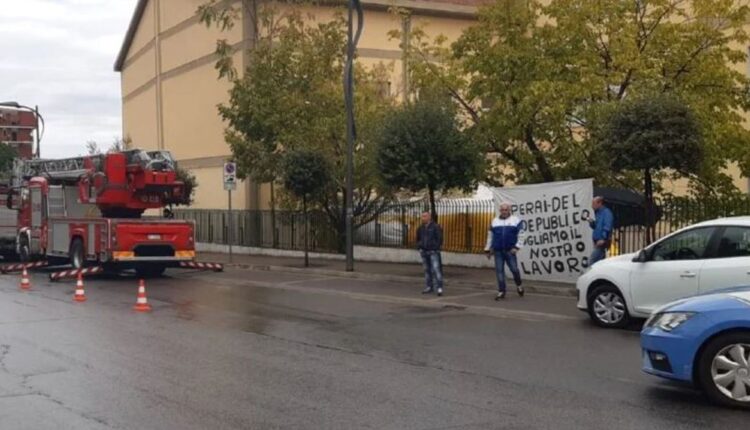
(90,211)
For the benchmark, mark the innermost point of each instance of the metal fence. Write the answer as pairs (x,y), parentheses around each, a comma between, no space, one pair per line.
(265,229)
(465,223)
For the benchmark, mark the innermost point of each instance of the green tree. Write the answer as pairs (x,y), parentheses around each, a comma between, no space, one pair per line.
(7,155)
(290,98)
(422,148)
(651,134)
(533,78)
(191,183)
(306,174)
(92,148)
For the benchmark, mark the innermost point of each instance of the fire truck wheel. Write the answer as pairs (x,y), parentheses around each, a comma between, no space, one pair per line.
(24,251)
(77,259)
(149,271)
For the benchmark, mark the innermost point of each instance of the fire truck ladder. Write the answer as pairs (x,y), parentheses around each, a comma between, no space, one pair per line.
(59,169)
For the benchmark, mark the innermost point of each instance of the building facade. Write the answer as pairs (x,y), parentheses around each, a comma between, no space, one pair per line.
(170,87)
(17,128)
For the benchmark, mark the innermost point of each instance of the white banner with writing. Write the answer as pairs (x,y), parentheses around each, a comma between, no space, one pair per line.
(558,240)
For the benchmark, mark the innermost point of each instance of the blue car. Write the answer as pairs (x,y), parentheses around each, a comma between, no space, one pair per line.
(704,340)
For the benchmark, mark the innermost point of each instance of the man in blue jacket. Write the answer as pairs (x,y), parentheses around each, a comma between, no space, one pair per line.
(429,242)
(602,224)
(504,239)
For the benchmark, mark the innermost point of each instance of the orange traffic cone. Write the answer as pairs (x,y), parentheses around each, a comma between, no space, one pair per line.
(25,282)
(80,295)
(141,303)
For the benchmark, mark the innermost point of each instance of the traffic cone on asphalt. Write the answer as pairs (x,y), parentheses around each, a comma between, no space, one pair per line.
(25,282)
(141,303)
(80,295)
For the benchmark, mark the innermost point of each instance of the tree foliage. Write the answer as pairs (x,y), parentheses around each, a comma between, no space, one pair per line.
(306,173)
(290,98)
(118,144)
(92,148)
(7,155)
(422,148)
(532,79)
(191,183)
(650,134)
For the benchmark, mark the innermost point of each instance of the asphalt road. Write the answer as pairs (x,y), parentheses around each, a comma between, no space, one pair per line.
(257,350)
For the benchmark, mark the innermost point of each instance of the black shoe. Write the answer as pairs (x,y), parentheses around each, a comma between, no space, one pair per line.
(500,295)
(440,292)
(427,291)
(520,291)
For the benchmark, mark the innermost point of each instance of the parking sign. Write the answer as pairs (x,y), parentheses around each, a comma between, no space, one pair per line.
(230,176)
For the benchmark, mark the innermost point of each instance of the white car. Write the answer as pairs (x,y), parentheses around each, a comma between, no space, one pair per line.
(707,256)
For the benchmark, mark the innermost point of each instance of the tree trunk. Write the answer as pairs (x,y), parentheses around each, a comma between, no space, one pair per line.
(544,168)
(433,210)
(307,230)
(274,239)
(649,195)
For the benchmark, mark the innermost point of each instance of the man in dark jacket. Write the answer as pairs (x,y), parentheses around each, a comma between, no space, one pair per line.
(429,242)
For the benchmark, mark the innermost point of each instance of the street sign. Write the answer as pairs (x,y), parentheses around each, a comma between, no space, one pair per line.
(230,176)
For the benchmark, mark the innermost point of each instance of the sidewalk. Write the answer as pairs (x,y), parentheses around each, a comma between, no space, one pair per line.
(410,273)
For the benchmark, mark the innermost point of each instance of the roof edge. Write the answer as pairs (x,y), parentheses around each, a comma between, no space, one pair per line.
(140,7)
(424,6)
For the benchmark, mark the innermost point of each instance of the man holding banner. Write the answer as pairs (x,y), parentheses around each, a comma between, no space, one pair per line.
(505,238)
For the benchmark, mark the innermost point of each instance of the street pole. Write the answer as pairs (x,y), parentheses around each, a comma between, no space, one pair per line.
(38,147)
(230,229)
(307,230)
(348,94)
(352,40)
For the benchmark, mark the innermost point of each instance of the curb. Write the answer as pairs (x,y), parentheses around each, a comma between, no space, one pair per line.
(567,291)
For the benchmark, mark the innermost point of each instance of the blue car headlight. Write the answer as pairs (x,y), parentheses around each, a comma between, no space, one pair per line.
(668,321)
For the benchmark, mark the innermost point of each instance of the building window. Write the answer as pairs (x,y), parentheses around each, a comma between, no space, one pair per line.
(14,136)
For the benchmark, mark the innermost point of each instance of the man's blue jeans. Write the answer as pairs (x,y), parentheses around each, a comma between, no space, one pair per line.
(432,269)
(599,253)
(503,258)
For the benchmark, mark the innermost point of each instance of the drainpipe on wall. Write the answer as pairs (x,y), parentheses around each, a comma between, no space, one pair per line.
(157,65)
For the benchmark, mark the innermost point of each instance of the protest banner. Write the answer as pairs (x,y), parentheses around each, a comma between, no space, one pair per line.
(557,241)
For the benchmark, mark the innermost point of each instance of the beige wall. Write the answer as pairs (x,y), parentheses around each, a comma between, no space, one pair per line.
(191,41)
(211,194)
(174,12)
(140,70)
(192,127)
(139,119)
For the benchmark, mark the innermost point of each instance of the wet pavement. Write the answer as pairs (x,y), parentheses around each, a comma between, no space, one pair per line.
(256,350)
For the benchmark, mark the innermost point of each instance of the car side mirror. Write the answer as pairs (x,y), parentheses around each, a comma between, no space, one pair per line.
(641,257)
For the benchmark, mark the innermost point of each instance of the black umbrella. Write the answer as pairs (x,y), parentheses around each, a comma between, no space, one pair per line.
(628,206)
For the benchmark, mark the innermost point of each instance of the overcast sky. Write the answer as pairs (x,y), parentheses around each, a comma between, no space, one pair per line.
(59,54)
